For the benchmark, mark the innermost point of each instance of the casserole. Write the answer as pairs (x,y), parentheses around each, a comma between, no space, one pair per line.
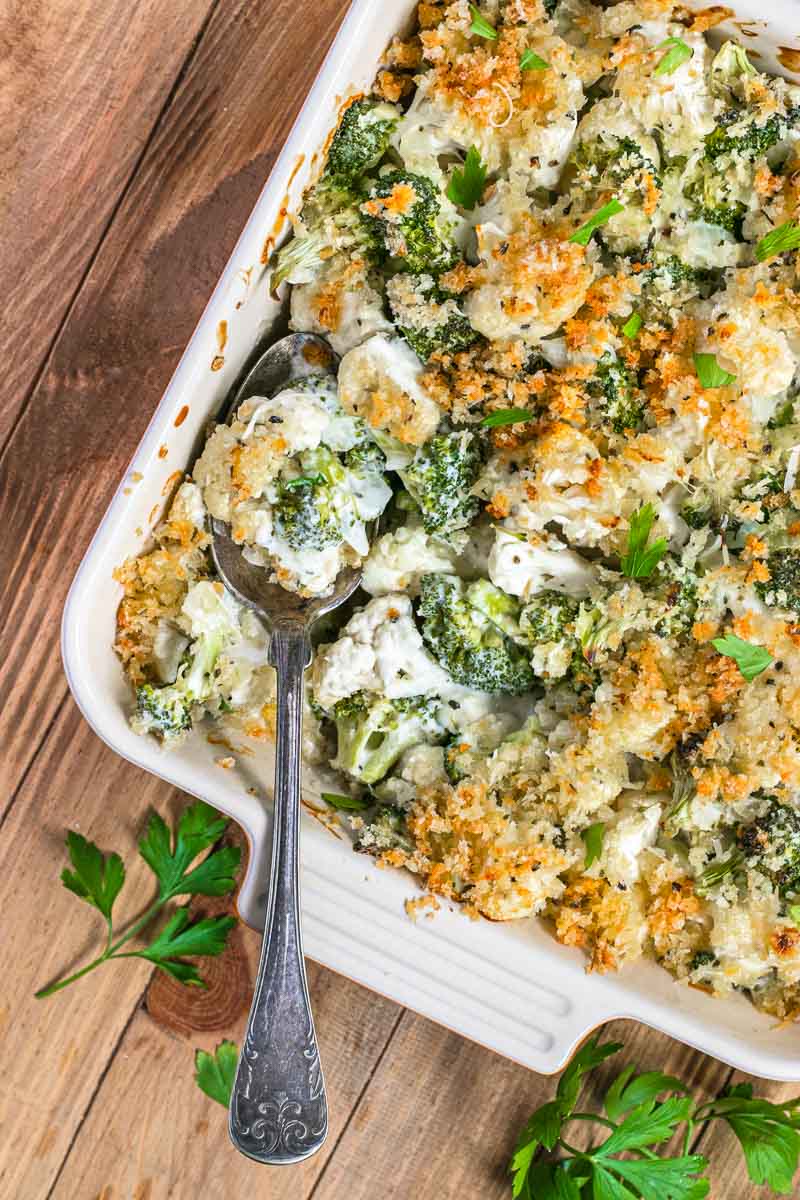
(243,316)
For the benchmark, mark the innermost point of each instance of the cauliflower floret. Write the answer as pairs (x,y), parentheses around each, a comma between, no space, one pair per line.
(339,303)
(523,569)
(188,505)
(379,381)
(680,103)
(397,561)
(380,650)
(761,358)
(528,284)
(630,832)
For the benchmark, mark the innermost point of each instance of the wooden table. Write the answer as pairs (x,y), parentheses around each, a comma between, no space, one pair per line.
(135,137)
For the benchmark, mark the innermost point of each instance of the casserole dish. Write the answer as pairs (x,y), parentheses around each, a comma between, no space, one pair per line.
(482,981)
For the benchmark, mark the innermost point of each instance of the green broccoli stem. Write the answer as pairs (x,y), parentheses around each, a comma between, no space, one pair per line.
(111,950)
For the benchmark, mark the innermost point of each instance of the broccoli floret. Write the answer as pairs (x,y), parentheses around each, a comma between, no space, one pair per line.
(471,647)
(404,214)
(501,609)
(783,415)
(305,515)
(676,589)
(459,756)
(750,141)
(582,675)
(366,458)
(440,479)
(342,230)
(429,318)
(549,617)
(698,511)
(372,734)
(360,140)
(615,385)
(728,216)
(383,830)
(782,589)
(608,164)
(771,844)
(703,958)
(709,192)
(166,711)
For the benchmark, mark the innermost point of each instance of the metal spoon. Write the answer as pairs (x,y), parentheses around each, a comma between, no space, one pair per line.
(278,1112)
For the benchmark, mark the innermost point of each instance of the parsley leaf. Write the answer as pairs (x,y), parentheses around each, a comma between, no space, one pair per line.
(199,827)
(768,1134)
(593,840)
(582,236)
(749,658)
(96,879)
(658,1179)
(641,560)
(99,880)
(794,913)
(552,1181)
(506,416)
(179,938)
(480,25)
(677,54)
(544,1126)
(215,1073)
(590,1055)
(531,61)
(785,237)
(627,1091)
(626,1166)
(710,373)
(542,1129)
(344,803)
(646,1126)
(466,184)
(632,325)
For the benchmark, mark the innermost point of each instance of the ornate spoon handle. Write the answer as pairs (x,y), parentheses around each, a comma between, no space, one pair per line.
(278,1111)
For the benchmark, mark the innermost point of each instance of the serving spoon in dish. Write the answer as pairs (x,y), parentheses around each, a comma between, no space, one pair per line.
(278,1112)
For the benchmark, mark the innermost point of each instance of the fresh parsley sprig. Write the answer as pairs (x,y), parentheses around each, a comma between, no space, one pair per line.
(506,416)
(593,837)
(750,658)
(531,61)
(467,183)
(632,325)
(480,25)
(785,237)
(641,560)
(710,373)
(583,235)
(345,803)
(641,1111)
(215,1073)
(677,54)
(98,879)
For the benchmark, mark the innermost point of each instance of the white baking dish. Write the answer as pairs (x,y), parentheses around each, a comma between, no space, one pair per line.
(508,986)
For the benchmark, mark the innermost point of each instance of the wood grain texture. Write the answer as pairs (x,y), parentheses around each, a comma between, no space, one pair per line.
(152,1133)
(128,179)
(81,87)
(169,241)
(54,1051)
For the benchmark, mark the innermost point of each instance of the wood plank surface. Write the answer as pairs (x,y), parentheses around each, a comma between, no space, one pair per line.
(135,138)
(81,87)
(158,264)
